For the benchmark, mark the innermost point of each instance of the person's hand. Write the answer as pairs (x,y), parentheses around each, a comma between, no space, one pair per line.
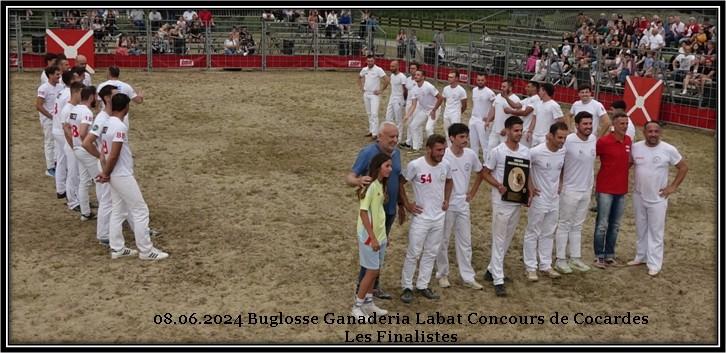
(375,245)
(377,92)
(103,178)
(503,132)
(445,205)
(364,180)
(559,189)
(666,191)
(414,208)
(469,197)
(487,124)
(401,218)
(528,137)
(405,119)
(433,115)
(502,189)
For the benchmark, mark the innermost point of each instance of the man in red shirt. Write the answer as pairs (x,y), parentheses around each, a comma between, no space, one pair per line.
(611,186)
(206,17)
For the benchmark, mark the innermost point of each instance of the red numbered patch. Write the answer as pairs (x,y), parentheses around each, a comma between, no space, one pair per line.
(425,178)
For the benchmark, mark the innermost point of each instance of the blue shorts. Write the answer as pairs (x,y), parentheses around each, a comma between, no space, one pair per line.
(369,259)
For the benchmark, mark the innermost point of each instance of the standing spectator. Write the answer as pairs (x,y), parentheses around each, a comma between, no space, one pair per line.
(188,16)
(137,17)
(206,17)
(331,24)
(313,20)
(155,18)
(610,187)
(652,158)
(268,16)
(122,45)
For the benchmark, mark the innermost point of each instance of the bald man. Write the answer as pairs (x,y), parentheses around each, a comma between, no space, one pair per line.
(83,62)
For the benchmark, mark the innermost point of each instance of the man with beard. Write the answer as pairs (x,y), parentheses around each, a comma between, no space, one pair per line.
(426,101)
(482,98)
(497,116)
(369,82)
(529,105)
(80,126)
(396,102)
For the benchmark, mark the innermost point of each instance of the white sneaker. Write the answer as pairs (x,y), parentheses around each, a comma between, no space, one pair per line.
(473,285)
(562,266)
(371,308)
(123,253)
(532,276)
(577,264)
(153,255)
(653,273)
(551,273)
(358,312)
(444,282)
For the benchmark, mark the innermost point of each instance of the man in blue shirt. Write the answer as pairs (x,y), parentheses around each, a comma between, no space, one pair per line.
(358,176)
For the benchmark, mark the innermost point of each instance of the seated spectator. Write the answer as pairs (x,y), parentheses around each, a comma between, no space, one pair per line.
(244,35)
(682,64)
(313,20)
(646,64)
(267,15)
(135,47)
(206,17)
(181,26)
(155,19)
(188,16)
(99,31)
(656,40)
(196,32)
(137,17)
(540,68)
(708,28)
(331,24)
(345,21)
(691,29)
(534,54)
(231,45)
(249,47)
(158,45)
(110,22)
(122,45)
(73,18)
(701,73)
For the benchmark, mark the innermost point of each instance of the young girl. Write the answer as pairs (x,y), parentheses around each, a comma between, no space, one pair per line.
(372,233)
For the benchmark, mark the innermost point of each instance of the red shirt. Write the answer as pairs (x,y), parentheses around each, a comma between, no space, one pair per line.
(205,16)
(612,178)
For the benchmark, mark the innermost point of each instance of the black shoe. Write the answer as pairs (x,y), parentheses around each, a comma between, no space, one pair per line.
(404,145)
(407,295)
(77,209)
(88,217)
(488,277)
(500,291)
(593,209)
(104,242)
(380,294)
(60,196)
(428,293)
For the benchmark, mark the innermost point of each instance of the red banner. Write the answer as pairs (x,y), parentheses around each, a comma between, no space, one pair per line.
(643,96)
(71,42)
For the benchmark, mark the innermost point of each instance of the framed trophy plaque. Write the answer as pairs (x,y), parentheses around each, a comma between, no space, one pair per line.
(516,177)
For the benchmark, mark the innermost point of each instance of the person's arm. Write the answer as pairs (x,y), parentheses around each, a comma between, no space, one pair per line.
(68,133)
(369,229)
(139,98)
(90,146)
(405,92)
(39,106)
(439,100)
(533,191)
(83,131)
(604,125)
(521,112)
(682,167)
(532,125)
(361,80)
(105,174)
(513,104)
(410,111)
(403,199)
(354,180)
(475,187)
(463,105)
(489,118)
(401,206)
(489,178)
(386,82)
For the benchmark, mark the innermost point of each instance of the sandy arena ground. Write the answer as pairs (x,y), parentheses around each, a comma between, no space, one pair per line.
(244,171)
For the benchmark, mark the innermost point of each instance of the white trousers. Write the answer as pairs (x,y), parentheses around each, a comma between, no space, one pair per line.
(574,206)
(460,223)
(83,159)
(495,138)
(372,102)
(478,136)
(504,220)
(416,128)
(430,126)
(48,141)
(61,167)
(424,240)
(539,237)
(103,192)
(394,112)
(409,140)
(127,199)
(537,139)
(523,141)
(72,179)
(650,228)
(450,119)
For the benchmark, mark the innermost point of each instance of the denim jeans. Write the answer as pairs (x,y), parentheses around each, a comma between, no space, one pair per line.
(609,211)
(389,224)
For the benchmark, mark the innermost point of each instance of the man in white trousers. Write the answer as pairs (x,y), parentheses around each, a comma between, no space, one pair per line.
(80,127)
(529,105)
(577,180)
(432,185)
(67,118)
(546,161)
(463,162)
(455,98)
(600,119)
(396,102)
(652,159)
(505,214)
(45,104)
(410,84)
(482,98)
(496,117)
(61,167)
(547,113)
(369,82)
(426,101)
(118,170)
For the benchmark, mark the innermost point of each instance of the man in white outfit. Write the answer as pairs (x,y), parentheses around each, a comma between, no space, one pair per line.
(113,79)
(45,104)
(529,105)
(432,185)
(66,118)
(547,113)
(426,101)
(61,166)
(82,61)
(81,125)
(505,214)
(546,162)
(396,102)
(600,119)
(369,82)
(652,158)
(410,84)
(497,116)
(118,170)
(577,179)
(455,98)
(482,98)
(463,162)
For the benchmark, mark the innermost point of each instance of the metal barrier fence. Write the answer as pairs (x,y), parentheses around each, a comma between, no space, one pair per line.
(251,43)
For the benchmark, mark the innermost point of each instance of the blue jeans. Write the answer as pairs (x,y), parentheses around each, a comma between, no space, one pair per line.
(389,224)
(609,211)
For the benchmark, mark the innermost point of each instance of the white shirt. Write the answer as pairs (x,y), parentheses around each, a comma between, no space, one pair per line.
(656,42)
(631,130)
(461,168)
(499,115)
(80,115)
(453,97)
(63,117)
(189,15)
(566,50)
(651,168)
(595,108)
(397,82)
(122,87)
(482,100)
(155,16)
(63,97)
(428,186)
(425,96)
(545,169)
(117,131)
(546,114)
(685,61)
(43,77)
(532,101)
(579,173)
(99,126)
(410,84)
(495,161)
(87,79)
(678,28)
(49,94)
(372,78)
